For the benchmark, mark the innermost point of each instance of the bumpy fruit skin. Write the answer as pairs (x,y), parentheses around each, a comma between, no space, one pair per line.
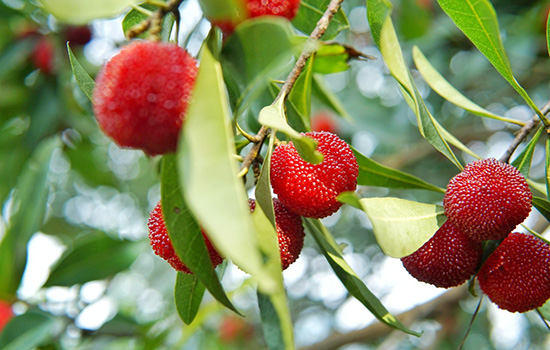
(516,276)
(257,8)
(448,259)
(290,232)
(488,199)
(142,93)
(43,55)
(310,190)
(6,314)
(162,246)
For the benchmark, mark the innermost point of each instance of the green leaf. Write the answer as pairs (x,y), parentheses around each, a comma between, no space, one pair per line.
(523,160)
(263,187)
(27,331)
(545,310)
(134,17)
(548,33)
(438,83)
(223,10)
(372,173)
(478,21)
(29,200)
(93,256)
(188,296)
(273,116)
(83,11)
(547,167)
(83,79)
(383,32)
(402,226)
(328,98)
(349,278)
(208,173)
(185,234)
(331,58)
(300,95)
(542,205)
(273,334)
(311,11)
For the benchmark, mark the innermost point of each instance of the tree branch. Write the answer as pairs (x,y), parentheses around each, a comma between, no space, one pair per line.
(523,132)
(438,308)
(309,49)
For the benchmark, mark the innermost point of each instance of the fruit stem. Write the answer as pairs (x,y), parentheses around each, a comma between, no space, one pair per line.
(524,132)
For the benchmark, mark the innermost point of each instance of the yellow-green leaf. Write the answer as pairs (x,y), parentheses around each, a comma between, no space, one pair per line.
(83,11)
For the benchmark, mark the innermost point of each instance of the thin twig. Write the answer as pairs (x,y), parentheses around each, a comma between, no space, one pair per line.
(523,132)
(154,22)
(474,316)
(309,49)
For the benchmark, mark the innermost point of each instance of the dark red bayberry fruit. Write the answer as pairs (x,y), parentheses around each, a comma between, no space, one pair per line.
(516,276)
(290,232)
(142,94)
(488,199)
(162,246)
(310,190)
(78,35)
(43,55)
(448,259)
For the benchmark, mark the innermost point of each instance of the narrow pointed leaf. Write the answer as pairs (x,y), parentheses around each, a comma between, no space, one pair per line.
(83,11)
(185,234)
(372,173)
(402,226)
(523,160)
(273,334)
(383,32)
(478,21)
(273,116)
(263,187)
(208,173)
(300,95)
(27,331)
(188,294)
(438,83)
(83,79)
(542,205)
(349,278)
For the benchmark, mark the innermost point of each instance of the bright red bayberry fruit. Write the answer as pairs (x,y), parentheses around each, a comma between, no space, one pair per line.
(488,199)
(290,232)
(43,55)
(447,260)
(310,190)
(162,246)
(516,276)
(142,93)
(323,121)
(6,314)
(257,8)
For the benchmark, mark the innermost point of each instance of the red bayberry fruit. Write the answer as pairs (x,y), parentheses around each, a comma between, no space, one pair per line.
(78,35)
(6,314)
(43,55)
(488,199)
(162,246)
(258,8)
(142,94)
(235,328)
(290,232)
(310,190)
(322,121)
(516,276)
(448,259)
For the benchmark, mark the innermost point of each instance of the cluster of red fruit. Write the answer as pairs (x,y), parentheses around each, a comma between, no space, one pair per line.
(140,100)
(487,201)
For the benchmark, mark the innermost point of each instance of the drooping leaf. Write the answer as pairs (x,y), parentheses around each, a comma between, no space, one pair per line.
(26,331)
(188,294)
(93,256)
(185,234)
(402,226)
(208,173)
(29,200)
(383,32)
(478,21)
(273,116)
(328,98)
(83,11)
(438,83)
(349,278)
(542,205)
(311,11)
(372,173)
(273,334)
(83,79)
(523,160)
